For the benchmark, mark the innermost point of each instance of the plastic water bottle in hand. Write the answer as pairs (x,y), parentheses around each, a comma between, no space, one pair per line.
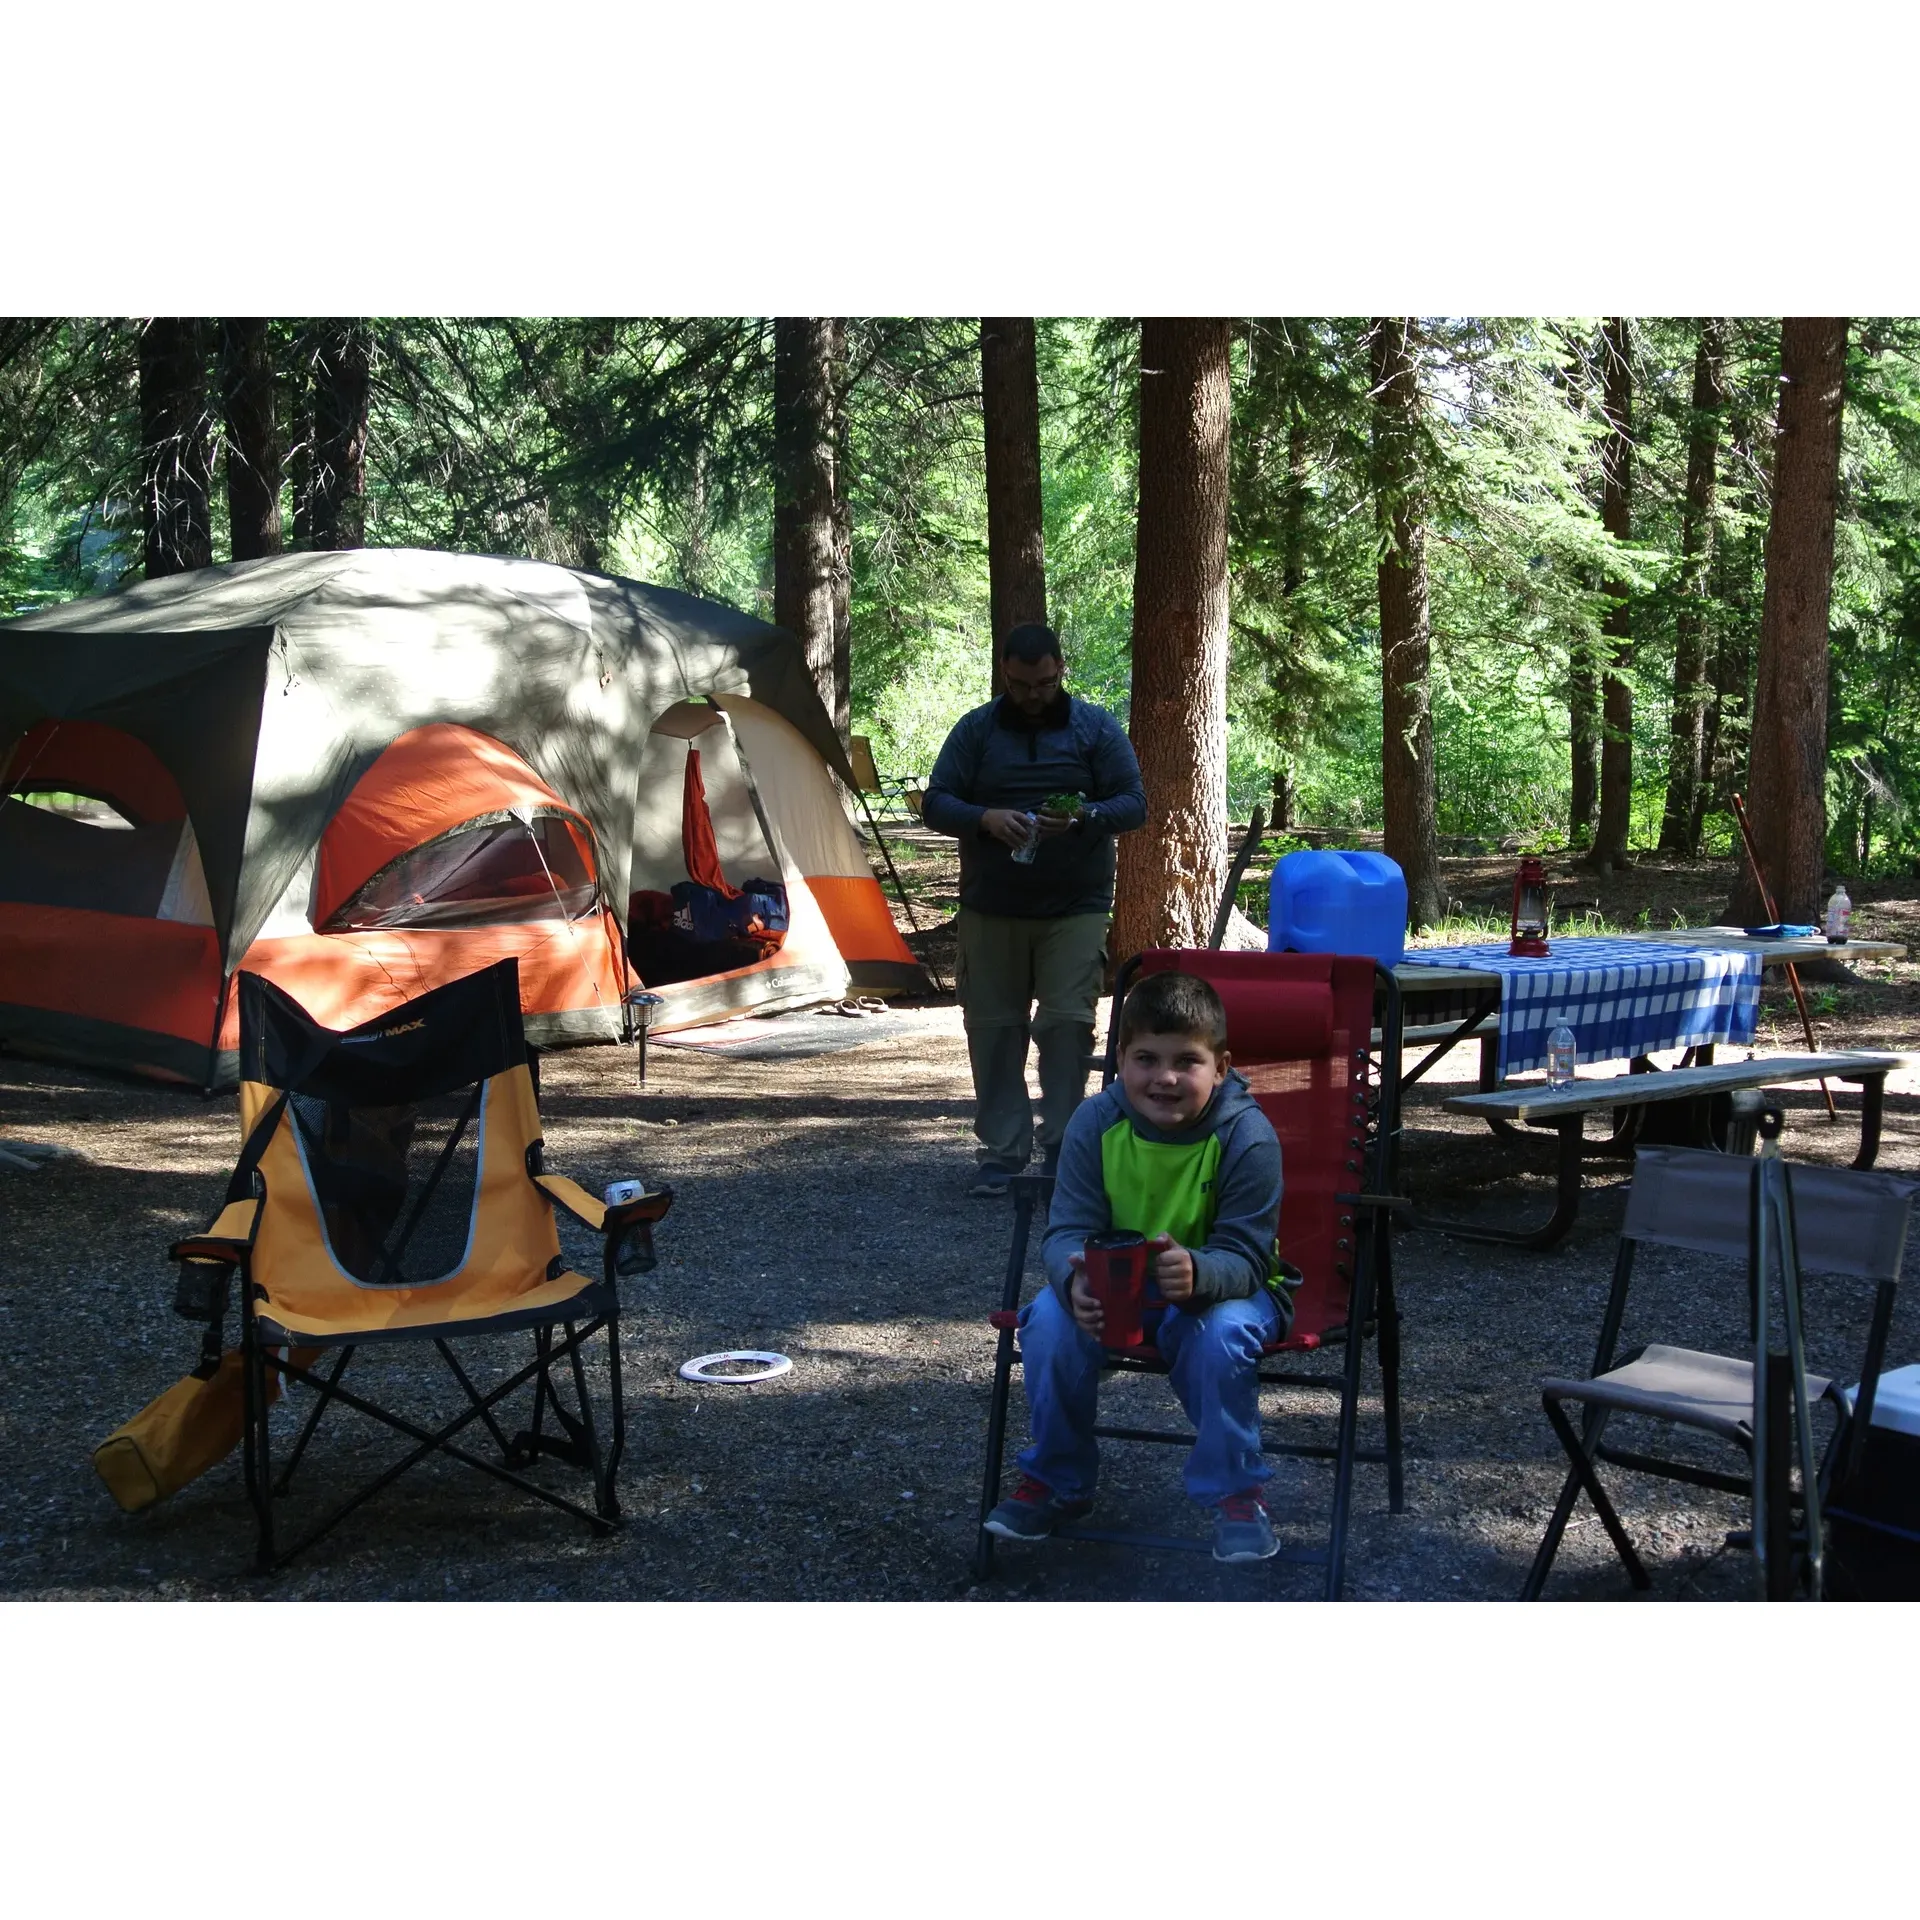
(1561,1047)
(1024,855)
(1839,915)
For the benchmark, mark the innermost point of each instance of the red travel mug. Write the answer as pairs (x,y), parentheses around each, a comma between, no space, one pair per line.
(1117,1278)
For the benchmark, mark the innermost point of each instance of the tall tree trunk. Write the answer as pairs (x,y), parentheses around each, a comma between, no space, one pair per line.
(253,439)
(1787,778)
(1726,712)
(176,446)
(1172,871)
(842,531)
(1293,574)
(1686,754)
(803,497)
(1406,771)
(1616,692)
(342,383)
(1583,735)
(300,384)
(1583,684)
(1016,549)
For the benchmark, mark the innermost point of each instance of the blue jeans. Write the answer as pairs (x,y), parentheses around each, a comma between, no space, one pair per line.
(1214,1359)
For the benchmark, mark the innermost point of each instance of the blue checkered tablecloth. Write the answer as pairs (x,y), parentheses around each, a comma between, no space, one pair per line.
(1621,997)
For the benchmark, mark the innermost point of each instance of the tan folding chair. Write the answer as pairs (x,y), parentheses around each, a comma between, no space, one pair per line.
(390,1189)
(1843,1222)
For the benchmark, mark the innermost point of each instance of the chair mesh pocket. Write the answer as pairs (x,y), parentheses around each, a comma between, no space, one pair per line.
(396,1185)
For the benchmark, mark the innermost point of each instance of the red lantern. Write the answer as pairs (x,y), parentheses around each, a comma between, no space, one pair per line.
(1530,911)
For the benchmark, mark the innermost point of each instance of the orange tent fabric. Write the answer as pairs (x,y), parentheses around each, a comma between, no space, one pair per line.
(428,782)
(696,833)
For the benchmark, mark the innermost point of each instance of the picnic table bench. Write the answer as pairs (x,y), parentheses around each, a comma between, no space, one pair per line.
(1692,1091)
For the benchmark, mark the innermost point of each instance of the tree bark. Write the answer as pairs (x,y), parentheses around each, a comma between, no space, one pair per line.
(342,383)
(1686,753)
(1583,721)
(1787,784)
(1293,575)
(1616,689)
(842,531)
(803,498)
(176,442)
(1016,548)
(1725,711)
(1172,871)
(253,440)
(1406,772)
(300,382)
(1583,686)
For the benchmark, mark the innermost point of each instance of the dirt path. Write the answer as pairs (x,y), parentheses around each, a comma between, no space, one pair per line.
(822,1214)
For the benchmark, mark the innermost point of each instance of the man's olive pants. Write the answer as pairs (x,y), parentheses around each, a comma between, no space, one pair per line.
(1005,966)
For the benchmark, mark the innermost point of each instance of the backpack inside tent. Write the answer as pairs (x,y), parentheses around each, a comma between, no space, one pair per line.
(363,774)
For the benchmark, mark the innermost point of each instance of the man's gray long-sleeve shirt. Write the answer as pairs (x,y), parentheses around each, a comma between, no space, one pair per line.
(995,757)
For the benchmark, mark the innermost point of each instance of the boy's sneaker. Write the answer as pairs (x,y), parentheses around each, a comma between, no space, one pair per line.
(990,1182)
(1030,1511)
(1242,1531)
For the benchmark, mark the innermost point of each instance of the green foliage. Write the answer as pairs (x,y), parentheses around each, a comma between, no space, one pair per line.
(644,446)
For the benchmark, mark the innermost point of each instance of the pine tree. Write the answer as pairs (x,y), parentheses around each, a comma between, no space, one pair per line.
(1172,871)
(1686,756)
(253,441)
(803,499)
(1405,643)
(176,437)
(1787,796)
(342,385)
(1616,689)
(1010,409)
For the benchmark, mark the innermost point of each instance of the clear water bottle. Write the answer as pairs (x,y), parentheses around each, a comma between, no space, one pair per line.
(1839,915)
(1560,1052)
(1024,855)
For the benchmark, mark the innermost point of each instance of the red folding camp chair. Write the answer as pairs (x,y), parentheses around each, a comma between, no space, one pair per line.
(1299,1028)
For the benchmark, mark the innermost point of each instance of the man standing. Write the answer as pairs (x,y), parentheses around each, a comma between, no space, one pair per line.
(1032,931)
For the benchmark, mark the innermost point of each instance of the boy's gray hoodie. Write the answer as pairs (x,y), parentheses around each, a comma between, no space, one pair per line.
(1220,1201)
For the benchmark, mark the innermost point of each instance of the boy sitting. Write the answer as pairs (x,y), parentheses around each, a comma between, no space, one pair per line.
(1177,1150)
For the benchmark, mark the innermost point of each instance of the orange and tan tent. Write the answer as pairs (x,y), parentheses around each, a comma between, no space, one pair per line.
(364,774)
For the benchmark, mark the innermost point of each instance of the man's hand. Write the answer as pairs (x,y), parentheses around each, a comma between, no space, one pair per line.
(1172,1268)
(1007,825)
(1086,1309)
(1052,823)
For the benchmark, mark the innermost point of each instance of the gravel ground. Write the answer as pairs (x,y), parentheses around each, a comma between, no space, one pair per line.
(822,1213)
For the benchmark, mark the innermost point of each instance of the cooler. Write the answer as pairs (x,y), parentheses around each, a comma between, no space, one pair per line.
(1873,1522)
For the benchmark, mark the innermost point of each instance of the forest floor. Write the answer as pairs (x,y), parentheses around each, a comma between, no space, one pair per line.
(822,1213)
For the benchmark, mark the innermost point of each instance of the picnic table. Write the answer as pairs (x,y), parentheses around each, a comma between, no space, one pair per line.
(1451,994)
(1625,997)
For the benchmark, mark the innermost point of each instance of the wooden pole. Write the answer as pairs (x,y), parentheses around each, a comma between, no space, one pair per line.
(1255,827)
(1793,972)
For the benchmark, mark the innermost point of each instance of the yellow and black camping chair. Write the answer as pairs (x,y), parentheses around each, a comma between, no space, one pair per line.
(391,1189)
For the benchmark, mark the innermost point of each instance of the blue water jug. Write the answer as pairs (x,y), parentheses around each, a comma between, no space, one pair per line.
(1327,902)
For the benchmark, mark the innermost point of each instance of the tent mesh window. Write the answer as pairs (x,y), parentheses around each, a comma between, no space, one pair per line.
(482,873)
(69,858)
(395,1186)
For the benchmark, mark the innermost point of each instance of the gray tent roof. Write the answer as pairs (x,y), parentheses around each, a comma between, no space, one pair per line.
(268,687)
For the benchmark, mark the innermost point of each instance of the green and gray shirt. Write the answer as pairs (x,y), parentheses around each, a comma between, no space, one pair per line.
(1214,1186)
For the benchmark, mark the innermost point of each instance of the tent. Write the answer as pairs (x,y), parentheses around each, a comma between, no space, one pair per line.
(362,774)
